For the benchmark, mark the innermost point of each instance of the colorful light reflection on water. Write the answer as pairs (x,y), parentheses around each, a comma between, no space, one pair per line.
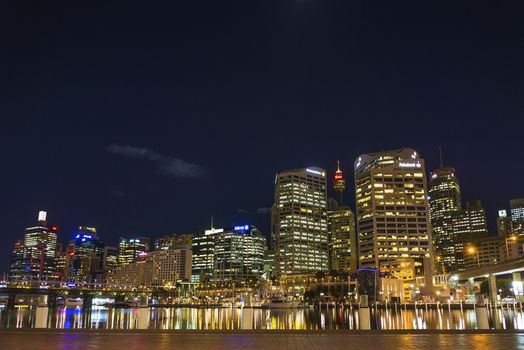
(233,319)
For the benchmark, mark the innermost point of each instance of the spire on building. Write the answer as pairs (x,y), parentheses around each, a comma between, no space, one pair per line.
(441,159)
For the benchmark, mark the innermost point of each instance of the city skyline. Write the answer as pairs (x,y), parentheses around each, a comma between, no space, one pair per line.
(259,217)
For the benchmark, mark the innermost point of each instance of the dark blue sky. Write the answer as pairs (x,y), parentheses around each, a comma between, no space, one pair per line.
(149,119)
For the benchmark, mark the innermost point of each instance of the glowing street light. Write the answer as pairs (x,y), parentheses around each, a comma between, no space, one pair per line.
(513,239)
(472,250)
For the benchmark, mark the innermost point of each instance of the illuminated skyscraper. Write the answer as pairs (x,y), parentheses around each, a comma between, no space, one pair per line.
(517,215)
(469,225)
(88,259)
(341,227)
(35,256)
(444,201)
(300,221)
(20,266)
(203,259)
(392,209)
(129,250)
(517,209)
(504,224)
(239,254)
(228,254)
(110,260)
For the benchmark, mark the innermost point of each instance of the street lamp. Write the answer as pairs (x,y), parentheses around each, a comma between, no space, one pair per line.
(513,239)
(472,251)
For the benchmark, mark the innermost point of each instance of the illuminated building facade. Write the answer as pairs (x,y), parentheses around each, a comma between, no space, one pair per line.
(88,258)
(300,222)
(504,224)
(20,266)
(444,202)
(517,215)
(164,267)
(341,227)
(169,265)
(469,225)
(174,241)
(269,262)
(485,252)
(203,246)
(110,259)
(239,254)
(392,209)
(35,256)
(130,250)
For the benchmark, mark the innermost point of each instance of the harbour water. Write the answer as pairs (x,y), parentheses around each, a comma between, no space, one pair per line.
(256,319)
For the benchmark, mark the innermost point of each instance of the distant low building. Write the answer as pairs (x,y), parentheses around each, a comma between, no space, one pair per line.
(158,268)
(130,249)
(174,241)
(491,251)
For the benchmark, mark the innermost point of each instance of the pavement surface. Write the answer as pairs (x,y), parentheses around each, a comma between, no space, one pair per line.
(70,340)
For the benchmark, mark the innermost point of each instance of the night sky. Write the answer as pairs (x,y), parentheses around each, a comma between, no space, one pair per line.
(148,120)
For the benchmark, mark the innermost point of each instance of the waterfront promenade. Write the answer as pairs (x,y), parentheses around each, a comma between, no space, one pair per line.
(266,340)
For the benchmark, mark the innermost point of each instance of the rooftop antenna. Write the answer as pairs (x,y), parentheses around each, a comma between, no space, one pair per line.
(212,223)
(441,160)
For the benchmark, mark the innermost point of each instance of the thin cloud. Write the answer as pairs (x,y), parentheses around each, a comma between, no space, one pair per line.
(264,211)
(117,193)
(171,166)
(242,211)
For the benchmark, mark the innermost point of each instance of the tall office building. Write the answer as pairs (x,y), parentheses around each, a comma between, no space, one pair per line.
(203,259)
(341,227)
(469,225)
(130,250)
(444,201)
(300,221)
(35,257)
(504,224)
(392,209)
(20,266)
(88,258)
(517,215)
(110,260)
(517,209)
(239,254)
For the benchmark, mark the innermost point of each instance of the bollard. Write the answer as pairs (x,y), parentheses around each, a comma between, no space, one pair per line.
(143,318)
(481,311)
(42,314)
(364,317)
(247,318)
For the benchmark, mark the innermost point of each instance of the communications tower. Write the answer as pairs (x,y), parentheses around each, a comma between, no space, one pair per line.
(339,183)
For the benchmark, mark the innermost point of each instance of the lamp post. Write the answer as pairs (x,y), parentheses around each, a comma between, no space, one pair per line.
(473,250)
(513,239)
